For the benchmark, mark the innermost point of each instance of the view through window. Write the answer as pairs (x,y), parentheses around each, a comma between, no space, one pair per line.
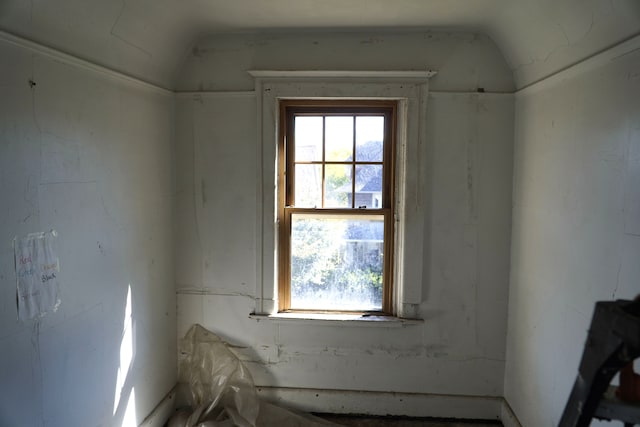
(336,205)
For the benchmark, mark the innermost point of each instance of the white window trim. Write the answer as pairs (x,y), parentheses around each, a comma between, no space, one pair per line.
(410,89)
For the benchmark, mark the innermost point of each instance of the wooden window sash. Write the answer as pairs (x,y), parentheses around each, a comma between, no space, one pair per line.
(286,185)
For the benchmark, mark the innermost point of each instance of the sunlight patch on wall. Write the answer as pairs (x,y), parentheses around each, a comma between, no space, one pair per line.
(126,358)
(129,419)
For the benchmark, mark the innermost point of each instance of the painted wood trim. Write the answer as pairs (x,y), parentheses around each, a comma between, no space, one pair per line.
(337,319)
(600,58)
(78,62)
(507,416)
(596,60)
(453,93)
(215,94)
(162,412)
(384,403)
(333,74)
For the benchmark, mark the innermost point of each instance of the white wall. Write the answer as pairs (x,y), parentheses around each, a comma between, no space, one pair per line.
(90,156)
(576,225)
(540,37)
(459,349)
(464,61)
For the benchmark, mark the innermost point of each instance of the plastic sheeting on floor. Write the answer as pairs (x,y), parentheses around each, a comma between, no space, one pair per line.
(222,393)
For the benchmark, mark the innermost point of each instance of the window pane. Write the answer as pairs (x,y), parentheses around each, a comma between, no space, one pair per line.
(369,137)
(308,186)
(336,262)
(337,186)
(339,138)
(308,137)
(368,186)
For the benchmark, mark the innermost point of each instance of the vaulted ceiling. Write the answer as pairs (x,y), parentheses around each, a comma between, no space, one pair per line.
(150,38)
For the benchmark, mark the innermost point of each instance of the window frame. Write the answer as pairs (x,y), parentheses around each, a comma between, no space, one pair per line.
(410,88)
(289,109)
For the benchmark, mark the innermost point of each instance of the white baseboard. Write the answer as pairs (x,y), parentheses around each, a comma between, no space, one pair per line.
(507,416)
(364,403)
(163,410)
(384,403)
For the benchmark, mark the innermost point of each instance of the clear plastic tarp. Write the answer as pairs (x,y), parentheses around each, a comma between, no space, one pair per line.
(221,389)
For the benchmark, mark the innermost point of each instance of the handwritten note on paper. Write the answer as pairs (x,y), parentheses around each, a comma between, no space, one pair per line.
(37,269)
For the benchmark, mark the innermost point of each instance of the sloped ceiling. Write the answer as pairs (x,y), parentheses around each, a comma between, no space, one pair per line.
(149,38)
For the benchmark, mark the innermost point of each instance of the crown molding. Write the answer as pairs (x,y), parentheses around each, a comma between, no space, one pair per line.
(78,62)
(342,74)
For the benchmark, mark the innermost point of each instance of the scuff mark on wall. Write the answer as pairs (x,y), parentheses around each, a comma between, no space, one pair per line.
(470,188)
(631,178)
(518,67)
(472,162)
(36,368)
(252,43)
(109,214)
(352,356)
(372,41)
(615,290)
(210,291)
(30,194)
(33,93)
(198,52)
(91,181)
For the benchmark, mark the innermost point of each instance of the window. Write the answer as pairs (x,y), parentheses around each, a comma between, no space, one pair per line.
(409,91)
(335,205)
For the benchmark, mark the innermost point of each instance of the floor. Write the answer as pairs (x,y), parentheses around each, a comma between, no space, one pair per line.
(359,421)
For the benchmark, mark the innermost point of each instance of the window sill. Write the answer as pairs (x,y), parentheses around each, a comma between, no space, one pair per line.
(338,319)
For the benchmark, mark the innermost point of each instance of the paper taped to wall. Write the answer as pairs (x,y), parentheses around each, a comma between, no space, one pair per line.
(37,268)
